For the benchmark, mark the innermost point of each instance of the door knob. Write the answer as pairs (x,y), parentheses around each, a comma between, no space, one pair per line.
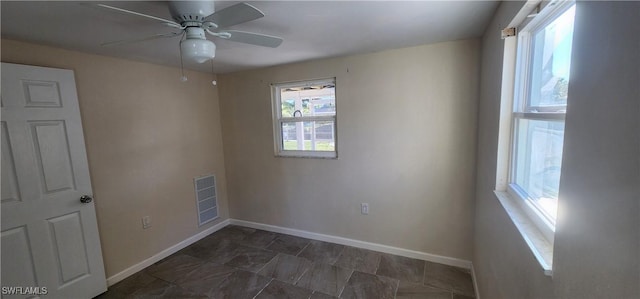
(86,199)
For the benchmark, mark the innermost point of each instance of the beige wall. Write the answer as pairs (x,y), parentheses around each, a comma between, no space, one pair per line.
(147,136)
(597,243)
(406,145)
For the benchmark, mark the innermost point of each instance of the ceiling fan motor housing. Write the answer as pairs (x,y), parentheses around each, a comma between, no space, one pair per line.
(195,33)
(191,11)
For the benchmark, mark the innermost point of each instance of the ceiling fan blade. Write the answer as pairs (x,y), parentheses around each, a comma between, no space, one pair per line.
(254,38)
(233,15)
(130,41)
(122,10)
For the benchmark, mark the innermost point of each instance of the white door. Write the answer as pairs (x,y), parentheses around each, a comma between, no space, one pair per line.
(49,237)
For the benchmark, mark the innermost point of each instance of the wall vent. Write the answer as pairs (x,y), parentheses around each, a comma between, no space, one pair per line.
(206,199)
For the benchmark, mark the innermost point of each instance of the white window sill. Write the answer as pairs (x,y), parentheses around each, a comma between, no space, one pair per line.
(307,155)
(541,248)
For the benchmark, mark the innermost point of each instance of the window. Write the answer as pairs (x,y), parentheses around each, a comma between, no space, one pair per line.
(535,81)
(305,118)
(539,104)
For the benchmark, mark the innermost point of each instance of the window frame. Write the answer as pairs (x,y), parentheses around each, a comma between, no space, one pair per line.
(279,120)
(536,231)
(522,110)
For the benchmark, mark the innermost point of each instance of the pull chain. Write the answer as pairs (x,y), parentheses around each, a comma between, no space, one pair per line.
(213,75)
(183,78)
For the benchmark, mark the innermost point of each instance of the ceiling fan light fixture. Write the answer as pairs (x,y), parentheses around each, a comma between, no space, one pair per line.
(196,19)
(198,50)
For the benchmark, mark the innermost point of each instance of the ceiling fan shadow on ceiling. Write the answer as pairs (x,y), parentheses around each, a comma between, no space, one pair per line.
(196,19)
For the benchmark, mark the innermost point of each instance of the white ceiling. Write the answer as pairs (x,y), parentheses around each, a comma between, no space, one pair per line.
(311,29)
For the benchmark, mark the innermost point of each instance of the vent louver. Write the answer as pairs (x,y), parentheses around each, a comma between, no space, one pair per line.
(206,199)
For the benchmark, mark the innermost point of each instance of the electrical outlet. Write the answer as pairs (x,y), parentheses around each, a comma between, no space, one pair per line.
(146,222)
(364,208)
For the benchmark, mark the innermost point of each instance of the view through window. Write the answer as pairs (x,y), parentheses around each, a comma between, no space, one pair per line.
(544,60)
(305,118)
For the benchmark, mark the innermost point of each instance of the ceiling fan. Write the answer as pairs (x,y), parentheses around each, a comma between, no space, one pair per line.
(196,19)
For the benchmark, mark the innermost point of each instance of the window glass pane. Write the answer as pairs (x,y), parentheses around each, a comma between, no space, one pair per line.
(314,100)
(308,136)
(551,64)
(538,161)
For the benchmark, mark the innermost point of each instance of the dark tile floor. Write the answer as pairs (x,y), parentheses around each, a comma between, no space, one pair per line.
(237,262)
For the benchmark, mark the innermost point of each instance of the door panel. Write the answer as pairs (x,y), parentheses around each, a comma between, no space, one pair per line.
(69,245)
(41,93)
(16,254)
(10,190)
(49,238)
(52,149)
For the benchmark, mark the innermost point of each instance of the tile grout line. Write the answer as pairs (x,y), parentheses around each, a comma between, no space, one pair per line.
(344,247)
(274,240)
(201,265)
(375,272)
(345,284)
(339,256)
(265,264)
(395,294)
(424,274)
(310,279)
(303,248)
(303,273)
(265,286)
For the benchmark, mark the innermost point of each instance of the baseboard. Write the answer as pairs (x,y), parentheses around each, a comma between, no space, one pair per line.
(357,243)
(165,253)
(475,282)
(299,233)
